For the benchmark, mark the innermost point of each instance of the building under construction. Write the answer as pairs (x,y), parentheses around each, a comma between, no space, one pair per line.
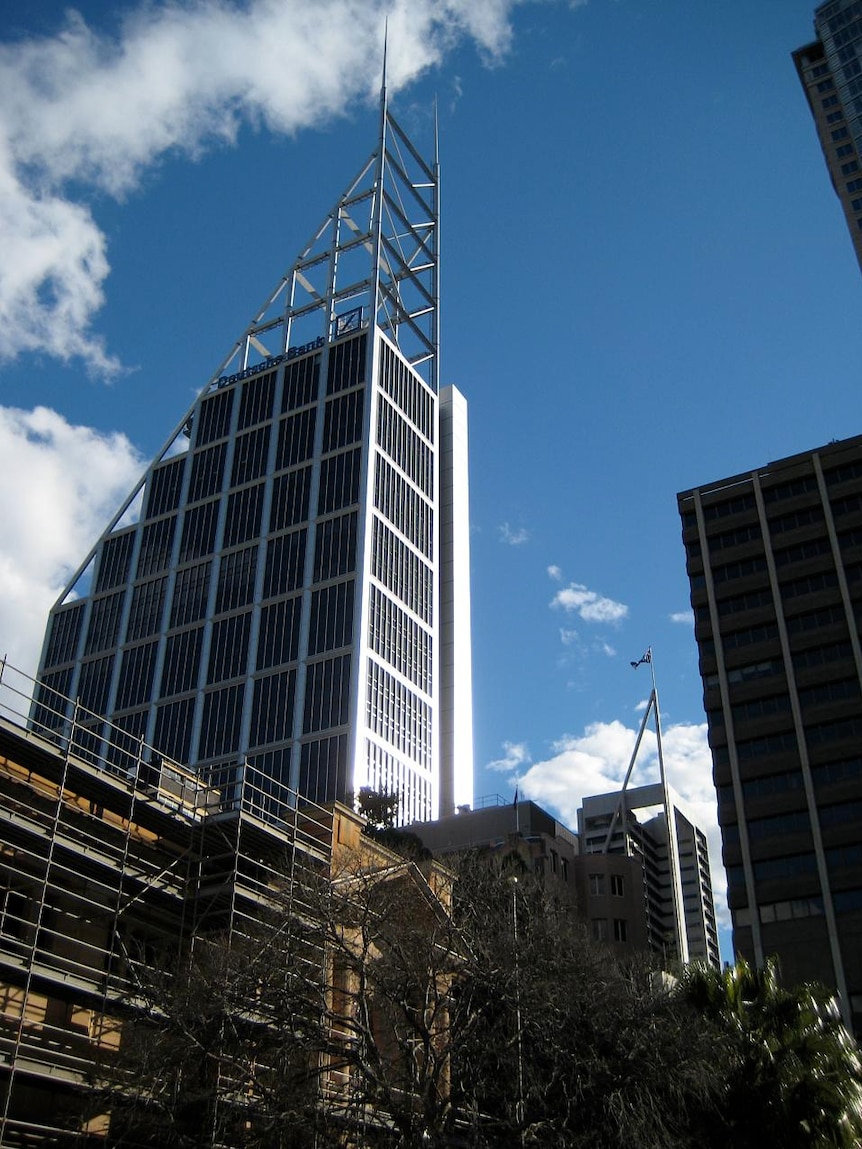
(107,867)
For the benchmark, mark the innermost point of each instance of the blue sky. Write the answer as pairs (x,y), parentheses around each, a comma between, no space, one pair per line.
(647,284)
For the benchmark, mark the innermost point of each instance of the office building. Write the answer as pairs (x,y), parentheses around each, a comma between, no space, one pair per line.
(775,564)
(830,69)
(287,588)
(111,867)
(676,883)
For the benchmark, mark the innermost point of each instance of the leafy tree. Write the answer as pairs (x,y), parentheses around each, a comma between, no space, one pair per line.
(792,1072)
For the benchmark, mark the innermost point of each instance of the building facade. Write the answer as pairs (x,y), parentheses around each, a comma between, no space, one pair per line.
(676,883)
(287,588)
(774,558)
(830,70)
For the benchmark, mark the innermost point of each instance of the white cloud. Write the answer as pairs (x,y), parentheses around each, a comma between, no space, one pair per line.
(513,536)
(596,761)
(61,485)
(605,648)
(568,637)
(589,604)
(515,754)
(683,616)
(91,112)
(555,573)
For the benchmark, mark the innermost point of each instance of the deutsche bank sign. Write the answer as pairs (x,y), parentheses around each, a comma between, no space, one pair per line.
(272,361)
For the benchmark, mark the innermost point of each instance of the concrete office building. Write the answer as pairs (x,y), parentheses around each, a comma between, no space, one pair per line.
(775,563)
(287,588)
(830,69)
(675,876)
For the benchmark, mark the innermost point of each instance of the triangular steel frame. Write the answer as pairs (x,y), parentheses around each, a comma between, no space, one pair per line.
(374,259)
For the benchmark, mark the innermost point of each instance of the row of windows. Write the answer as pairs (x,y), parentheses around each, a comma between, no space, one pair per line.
(390,774)
(405,508)
(761,708)
(401,571)
(398,716)
(749,673)
(782,911)
(821,655)
(829,692)
(278,642)
(400,640)
(115,559)
(339,481)
(811,549)
(408,391)
(750,635)
(402,444)
(597,887)
(601,933)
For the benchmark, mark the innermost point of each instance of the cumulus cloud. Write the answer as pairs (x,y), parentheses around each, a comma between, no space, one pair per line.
(588,604)
(513,536)
(555,573)
(596,761)
(515,755)
(62,484)
(683,616)
(84,112)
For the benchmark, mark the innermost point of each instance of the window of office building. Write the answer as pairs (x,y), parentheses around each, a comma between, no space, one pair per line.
(339,481)
(301,378)
(207,472)
(136,676)
(191,591)
(335,547)
(115,558)
(145,614)
(289,499)
(104,622)
(199,531)
(343,423)
(229,647)
(279,633)
(331,620)
(214,416)
(596,884)
(222,715)
(272,708)
(327,694)
(255,405)
(65,632)
(243,515)
(250,456)
(174,728)
(285,563)
(295,439)
(236,579)
(165,486)
(617,885)
(182,662)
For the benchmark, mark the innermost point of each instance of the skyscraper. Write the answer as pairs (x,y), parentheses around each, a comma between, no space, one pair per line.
(775,564)
(830,69)
(288,584)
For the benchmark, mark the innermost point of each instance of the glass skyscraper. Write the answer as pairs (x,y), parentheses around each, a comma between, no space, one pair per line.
(288,585)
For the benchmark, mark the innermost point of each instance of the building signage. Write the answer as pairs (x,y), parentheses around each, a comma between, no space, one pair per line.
(272,361)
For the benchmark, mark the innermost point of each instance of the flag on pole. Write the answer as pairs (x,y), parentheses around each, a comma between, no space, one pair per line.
(646,658)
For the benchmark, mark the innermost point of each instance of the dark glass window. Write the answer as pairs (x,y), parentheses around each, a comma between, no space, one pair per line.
(229,647)
(174,729)
(295,439)
(339,481)
(255,405)
(290,499)
(323,769)
(199,531)
(115,560)
(182,660)
(285,562)
(222,717)
(279,633)
(243,515)
(214,416)
(65,632)
(346,364)
(236,579)
(249,458)
(104,623)
(343,423)
(207,472)
(136,675)
(94,683)
(145,616)
(272,708)
(301,378)
(157,543)
(335,547)
(165,485)
(191,591)
(331,622)
(327,693)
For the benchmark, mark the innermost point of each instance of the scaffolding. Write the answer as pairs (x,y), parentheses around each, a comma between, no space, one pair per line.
(113,859)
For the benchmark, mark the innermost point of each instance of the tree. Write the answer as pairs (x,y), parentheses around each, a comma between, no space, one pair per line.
(411,1006)
(792,1072)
